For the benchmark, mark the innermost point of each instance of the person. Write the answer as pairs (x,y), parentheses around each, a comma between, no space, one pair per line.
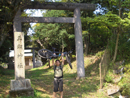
(58,76)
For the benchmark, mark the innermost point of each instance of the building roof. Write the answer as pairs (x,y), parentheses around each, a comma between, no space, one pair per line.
(26,53)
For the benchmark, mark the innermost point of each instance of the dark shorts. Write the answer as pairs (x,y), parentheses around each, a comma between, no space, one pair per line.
(58,85)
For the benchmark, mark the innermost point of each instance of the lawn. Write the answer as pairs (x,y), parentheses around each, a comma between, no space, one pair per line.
(42,81)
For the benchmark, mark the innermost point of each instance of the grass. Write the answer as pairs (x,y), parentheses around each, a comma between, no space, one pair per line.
(42,81)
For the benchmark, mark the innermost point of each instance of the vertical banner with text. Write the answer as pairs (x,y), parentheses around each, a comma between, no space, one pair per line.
(19,55)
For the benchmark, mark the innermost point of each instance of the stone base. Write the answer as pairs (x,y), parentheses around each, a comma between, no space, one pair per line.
(24,92)
(21,88)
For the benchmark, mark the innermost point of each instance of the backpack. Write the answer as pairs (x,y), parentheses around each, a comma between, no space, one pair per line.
(61,70)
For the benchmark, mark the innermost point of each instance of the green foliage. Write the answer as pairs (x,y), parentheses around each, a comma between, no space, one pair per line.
(99,30)
(99,54)
(54,13)
(125,85)
(123,54)
(57,35)
(123,46)
(8,11)
(125,82)
(109,77)
(4,65)
(111,45)
(1,70)
(5,50)
(124,49)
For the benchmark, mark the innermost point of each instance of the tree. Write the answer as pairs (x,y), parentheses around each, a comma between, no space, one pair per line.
(58,35)
(8,10)
(118,7)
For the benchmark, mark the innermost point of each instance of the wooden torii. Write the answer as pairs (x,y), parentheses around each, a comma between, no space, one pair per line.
(19,37)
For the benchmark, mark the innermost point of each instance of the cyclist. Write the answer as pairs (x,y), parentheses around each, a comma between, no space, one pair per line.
(58,76)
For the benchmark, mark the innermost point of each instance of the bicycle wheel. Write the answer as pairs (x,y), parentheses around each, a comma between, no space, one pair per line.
(45,53)
(69,60)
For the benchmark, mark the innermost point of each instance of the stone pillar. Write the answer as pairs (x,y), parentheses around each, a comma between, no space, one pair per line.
(20,86)
(33,58)
(79,44)
(19,55)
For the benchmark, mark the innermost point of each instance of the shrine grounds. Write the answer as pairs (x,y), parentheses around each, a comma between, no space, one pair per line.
(42,81)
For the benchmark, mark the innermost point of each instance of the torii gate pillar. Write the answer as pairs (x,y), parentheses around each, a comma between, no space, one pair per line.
(79,44)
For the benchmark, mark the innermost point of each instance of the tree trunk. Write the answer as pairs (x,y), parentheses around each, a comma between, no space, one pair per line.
(62,45)
(118,34)
(116,47)
(62,48)
(86,44)
(38,41)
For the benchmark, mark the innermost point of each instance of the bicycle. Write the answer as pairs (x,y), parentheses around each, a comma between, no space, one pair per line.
(47,54)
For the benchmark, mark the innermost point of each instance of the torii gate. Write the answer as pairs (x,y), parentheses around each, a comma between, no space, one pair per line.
(20,83)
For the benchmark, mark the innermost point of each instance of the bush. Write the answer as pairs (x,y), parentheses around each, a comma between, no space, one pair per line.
(125,85)
(100,54)
(125,82)
(123,47)
(109,76)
